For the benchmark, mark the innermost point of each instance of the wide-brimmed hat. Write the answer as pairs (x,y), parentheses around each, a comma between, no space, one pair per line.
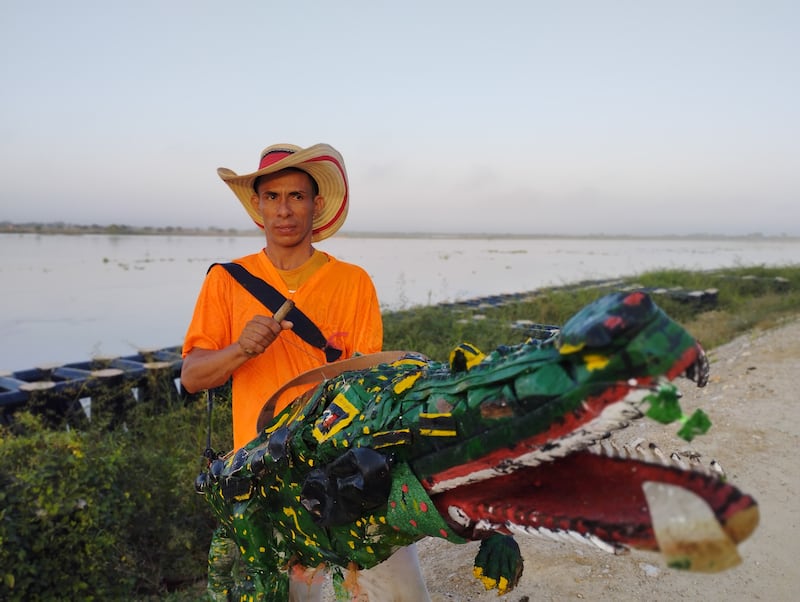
(321,161)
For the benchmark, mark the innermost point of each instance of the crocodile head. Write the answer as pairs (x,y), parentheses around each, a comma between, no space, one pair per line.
(487,447)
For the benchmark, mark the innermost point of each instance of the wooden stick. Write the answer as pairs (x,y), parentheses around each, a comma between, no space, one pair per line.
(283,310)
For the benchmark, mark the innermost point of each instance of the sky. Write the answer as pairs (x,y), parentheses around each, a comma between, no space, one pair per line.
(519,117)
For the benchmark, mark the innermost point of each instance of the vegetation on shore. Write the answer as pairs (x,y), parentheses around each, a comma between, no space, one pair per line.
(746,298)
(103,512)
(115,229)
(7,227)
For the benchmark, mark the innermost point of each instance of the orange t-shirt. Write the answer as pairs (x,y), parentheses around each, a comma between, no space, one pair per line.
(339,298)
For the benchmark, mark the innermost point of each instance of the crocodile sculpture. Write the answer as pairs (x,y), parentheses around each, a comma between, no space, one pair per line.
(481,448)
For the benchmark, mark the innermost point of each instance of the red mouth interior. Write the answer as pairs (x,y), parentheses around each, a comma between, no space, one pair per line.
(587,493)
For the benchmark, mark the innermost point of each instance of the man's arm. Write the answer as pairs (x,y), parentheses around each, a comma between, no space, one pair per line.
(209,368)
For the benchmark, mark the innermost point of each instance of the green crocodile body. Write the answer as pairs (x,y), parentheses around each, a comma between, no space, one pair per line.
(482,447)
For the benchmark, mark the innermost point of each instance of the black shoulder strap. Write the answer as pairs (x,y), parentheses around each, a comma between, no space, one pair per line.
(272,299)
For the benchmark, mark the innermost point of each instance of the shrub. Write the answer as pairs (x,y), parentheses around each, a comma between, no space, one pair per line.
(101,514)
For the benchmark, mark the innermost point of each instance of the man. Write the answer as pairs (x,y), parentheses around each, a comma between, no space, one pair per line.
(298,197)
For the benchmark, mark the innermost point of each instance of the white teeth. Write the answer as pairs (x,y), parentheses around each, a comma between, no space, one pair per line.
(614,417)
(642,451)
(551,535)
(575,536)
(660,455)
(565,536)
(678,461)
(485,526)
(607,447)
(605,546)
(458,516)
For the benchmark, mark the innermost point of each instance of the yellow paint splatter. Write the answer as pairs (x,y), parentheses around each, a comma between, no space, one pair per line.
(437,433)
(596,362)
(406,383)
(567,348)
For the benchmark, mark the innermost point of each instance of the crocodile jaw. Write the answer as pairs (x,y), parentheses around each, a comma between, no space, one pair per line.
(543,447)
(695,518)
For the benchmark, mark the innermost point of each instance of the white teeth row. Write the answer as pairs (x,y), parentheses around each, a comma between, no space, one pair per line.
(641,450)
(613,418)
(558,535)
(565,536)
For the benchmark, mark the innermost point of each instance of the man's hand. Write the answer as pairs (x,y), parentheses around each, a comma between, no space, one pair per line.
(208,368)
(259,333)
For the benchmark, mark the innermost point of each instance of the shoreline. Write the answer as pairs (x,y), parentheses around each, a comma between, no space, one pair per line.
(61,228)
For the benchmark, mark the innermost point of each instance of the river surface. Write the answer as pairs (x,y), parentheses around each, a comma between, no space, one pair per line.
(70,298)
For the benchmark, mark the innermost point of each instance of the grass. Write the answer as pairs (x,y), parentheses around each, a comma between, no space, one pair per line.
(747,298)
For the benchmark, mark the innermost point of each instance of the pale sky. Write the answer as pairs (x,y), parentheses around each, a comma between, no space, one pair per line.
(528,117)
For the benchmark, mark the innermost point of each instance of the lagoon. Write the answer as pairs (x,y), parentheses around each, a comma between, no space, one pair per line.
(68,298)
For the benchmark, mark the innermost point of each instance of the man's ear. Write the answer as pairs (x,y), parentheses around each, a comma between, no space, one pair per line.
(319,204)
(254,201)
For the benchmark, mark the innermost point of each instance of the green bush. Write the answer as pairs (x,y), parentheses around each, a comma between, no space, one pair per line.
(59,515)
(99,514)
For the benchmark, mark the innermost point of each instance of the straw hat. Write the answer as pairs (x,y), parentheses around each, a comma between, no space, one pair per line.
(321,161)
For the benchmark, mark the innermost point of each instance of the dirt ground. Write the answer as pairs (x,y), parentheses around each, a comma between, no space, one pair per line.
(752,399)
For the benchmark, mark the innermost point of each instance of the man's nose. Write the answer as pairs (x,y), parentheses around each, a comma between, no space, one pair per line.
(283,206)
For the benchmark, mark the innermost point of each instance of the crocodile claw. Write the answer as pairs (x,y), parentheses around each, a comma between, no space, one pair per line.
(499,563)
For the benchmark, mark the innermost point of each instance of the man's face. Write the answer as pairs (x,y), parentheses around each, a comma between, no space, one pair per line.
(287,204)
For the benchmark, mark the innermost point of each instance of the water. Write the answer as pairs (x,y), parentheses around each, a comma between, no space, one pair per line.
(71,298)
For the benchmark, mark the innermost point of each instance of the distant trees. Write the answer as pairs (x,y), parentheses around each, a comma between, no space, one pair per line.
(7,227)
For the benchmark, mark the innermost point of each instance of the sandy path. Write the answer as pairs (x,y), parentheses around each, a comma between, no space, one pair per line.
(752,401)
